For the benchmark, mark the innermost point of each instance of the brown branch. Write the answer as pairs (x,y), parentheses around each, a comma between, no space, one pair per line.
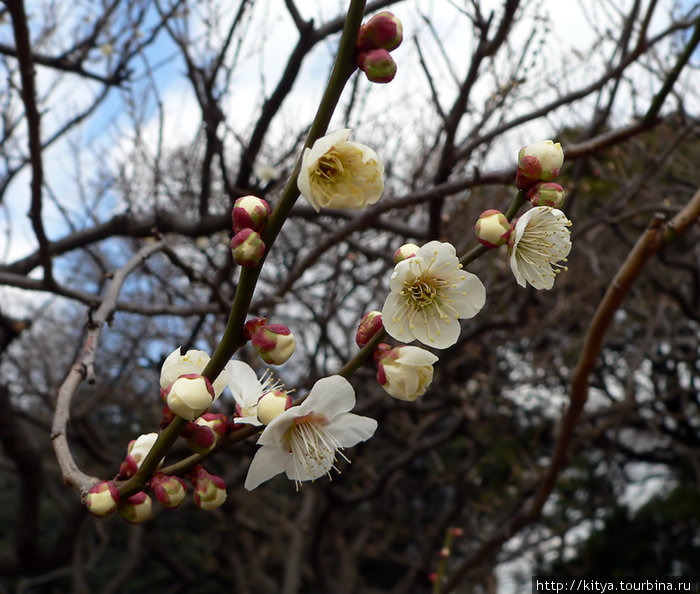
(83,368)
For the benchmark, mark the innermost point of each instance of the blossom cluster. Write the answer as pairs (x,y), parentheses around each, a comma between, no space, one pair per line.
(430,293)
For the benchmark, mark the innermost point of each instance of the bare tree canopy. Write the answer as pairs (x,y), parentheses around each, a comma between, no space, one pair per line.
(191,192)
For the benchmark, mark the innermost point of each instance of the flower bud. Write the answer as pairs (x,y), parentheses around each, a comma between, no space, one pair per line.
(407,250)
(378,65)
(537,162)
(382,31)
(206,430)
(250,212)
(102,499)
(275,343)
(170,491)
(247,248)
(209,490)
(190,395)
(371,324)
(546,194)
(136,453)
(405,372)
(492,228)
(271,404)
(136,508)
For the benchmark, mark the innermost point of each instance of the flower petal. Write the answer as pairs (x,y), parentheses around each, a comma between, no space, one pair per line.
(329,397)
(267,462)
(350,429)
(243,383)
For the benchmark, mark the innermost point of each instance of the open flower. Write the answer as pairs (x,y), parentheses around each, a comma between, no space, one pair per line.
(429,294)
(539,242)
(338,173)
(303,441)
(193,361)
(247,390)
(405,372)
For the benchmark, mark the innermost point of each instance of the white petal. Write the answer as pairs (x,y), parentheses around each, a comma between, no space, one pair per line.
(329,397)
(448,332)
(398,329)
(325,143)
(244,384)
(468,297)
(350,429)
(267,462)
(413,355)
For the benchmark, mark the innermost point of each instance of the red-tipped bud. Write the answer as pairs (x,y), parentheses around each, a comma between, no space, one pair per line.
(371,324)
(136,452)
(247,248)
(492,228)
(537,162)
(378,65)
(407,250)
(190,395)
(209,490)
(382,31)
(275,343)
(250,212)
(136,509)
(170,491)
(546,194)
(206,430)
(102,499)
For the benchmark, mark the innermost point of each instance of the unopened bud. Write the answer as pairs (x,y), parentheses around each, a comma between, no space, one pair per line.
(407,250)
(272,404)
(492,228)
(546,194)
(206,430)
(382,31)
(190,395)
(250,212)
(537,162)
(378,65)
(209,490)
(136,453)
(170,491)
(275,343)
(247,248)
(102,499)
(136,508)
(371,324)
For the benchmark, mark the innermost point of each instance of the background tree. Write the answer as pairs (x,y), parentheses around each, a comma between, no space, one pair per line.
(132,126)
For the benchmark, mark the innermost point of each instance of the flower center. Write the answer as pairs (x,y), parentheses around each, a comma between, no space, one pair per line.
(423,291)
(312,447)
(329,166)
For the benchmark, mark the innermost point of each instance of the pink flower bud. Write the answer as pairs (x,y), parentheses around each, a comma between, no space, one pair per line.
(546,194)
(371,324)
(170,491)
(247,248)
(382,31)
(537,162)
(275,343)
(102,499)
(407,250)
(492,228)
(378,65)
(136,453)
(209,490)
(272,404)
(206,430)
(250,212)
(136,508)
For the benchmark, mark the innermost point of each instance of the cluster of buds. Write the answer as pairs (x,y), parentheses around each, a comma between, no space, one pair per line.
(538,164)
(249,218)
(275,343)
(380,35)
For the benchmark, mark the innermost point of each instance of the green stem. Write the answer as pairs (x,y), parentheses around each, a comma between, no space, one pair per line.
(234,335)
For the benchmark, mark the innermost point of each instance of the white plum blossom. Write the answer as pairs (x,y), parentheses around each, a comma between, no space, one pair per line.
(537,245)
(405,372)
(430,293)
(192,362)
(338,173)
(303,441)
